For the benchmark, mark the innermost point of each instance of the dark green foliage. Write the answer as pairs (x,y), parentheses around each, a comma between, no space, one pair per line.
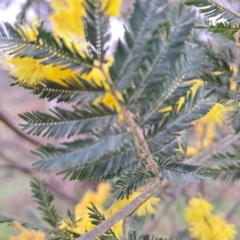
(214,9)
(44,198)
(226,29)
(82,151)
(109,166)
(161,136)
(96,218)
(175,171)
(71,220)
(64,122)
(132,181)
(153,70)
(76,91)
(144,21)
(225,166)
(228,173)
(97,29)
(224,159)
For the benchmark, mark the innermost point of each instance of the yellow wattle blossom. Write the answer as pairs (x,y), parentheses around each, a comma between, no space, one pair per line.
(25,234)
(197,210)
(112,7)
(218,113)
(66,17)
(30,31)
(147,208)
(204,136)
(98,198)
(204,225)
(31,72)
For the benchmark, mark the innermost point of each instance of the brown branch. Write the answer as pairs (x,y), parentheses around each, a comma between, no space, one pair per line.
(28,170)
(124,212)
(125,225)
(233,209)
(9,124)
(220,145)
(150,228)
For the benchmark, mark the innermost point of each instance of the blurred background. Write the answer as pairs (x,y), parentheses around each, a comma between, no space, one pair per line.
(15,157)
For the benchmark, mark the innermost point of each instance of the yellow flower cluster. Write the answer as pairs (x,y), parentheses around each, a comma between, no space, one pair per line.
(67,22)
(204,136)
(25,234)
(98,198)
(112,7)
(204,225)
(67,15)
(204,133)
(218,112)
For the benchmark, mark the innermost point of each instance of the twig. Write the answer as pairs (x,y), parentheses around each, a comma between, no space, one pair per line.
(124,212)
(8,123)
(233,209)
(28,170)
(220,145)
(174,197)
(125,225)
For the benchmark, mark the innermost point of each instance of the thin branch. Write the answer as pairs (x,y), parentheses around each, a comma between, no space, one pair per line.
(220,145)
(174,196)
(125,225)
(124,212)
(226,9)
(8,123)
(28,170)
(233,209)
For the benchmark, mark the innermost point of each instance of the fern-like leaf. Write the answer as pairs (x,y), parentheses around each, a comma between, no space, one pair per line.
(81,151)
(231,172)
(44,198)
(212,8)
(109,166)
(51,50)
(133,180)
(129,56)
(97,29)
(63,122)
(96,218)
(225,29)
(176,171)
(161,137)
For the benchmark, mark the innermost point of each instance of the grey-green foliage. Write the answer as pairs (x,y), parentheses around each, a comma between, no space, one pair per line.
(225,166)
(153,69)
